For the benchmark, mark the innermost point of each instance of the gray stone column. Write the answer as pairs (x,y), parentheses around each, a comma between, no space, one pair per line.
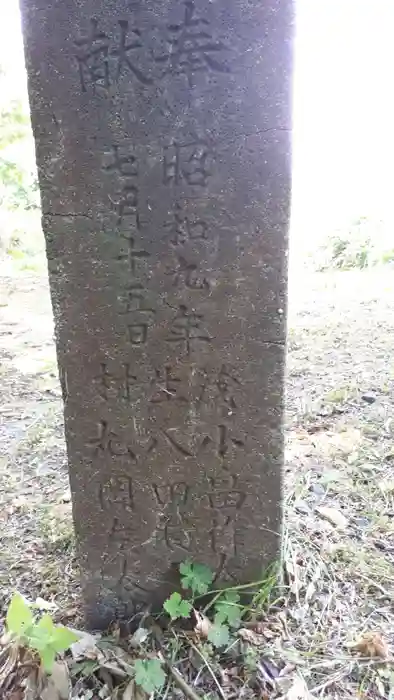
(163,133)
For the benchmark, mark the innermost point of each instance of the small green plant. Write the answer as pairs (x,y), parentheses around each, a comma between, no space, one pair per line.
(224,607)
(149,674)
(219,635)
(40,635)
(176,607)
(228,609)
(198,579)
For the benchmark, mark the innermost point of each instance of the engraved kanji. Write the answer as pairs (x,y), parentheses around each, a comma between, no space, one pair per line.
(108,442)
(133,299)
(224,495)
(124,49)
(133,255)
(104,380)
(190,161)
(92,57)
(117,492)
(226,382)
(118,565)
(225,501)
(129,594)
(174,503)
(187,329)
(192,48)
(186,273)
(221,387)
(117,530)
(125,165)
(166,386)
(169,439)
(183,229)
(127,204)
(223,441)
(138,332)
(127,380)
(117,385)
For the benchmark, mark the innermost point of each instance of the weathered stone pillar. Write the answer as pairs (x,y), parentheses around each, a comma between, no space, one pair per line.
(162,133)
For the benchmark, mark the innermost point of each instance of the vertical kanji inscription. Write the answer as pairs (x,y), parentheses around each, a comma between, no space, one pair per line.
(134,305)
(187,330)
(183,229)
(92,53)
(192,47)
(101,63)
(163,135)
(189,161)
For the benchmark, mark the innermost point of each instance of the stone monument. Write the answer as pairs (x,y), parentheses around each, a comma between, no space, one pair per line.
(163,131)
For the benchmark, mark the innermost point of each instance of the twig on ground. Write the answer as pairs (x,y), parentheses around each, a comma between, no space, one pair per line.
(375,585)
(179,680)
(210,669)
(340,675)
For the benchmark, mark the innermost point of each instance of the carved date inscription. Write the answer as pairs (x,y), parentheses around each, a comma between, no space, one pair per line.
(183,229)
(218,388)
(174,503)
(185,236)
(222,440)
(188,161)
(221,499)
(138,311)
(187,330)
(185,274)
(169,385)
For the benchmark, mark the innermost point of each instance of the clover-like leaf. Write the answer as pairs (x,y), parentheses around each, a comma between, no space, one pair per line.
(176,607)
(197,577)
(219,635)
(228,609)
(149,674)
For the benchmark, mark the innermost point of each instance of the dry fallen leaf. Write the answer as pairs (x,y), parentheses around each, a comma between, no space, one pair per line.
(58,686)
(45,605)
(298,690)
(203,625)
(372,644)
(139,637)
(129,691)
(250,636)
(85,647)
(334,516)
(17,694)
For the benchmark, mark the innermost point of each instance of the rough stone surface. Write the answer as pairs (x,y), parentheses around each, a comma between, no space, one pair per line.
(162,133)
